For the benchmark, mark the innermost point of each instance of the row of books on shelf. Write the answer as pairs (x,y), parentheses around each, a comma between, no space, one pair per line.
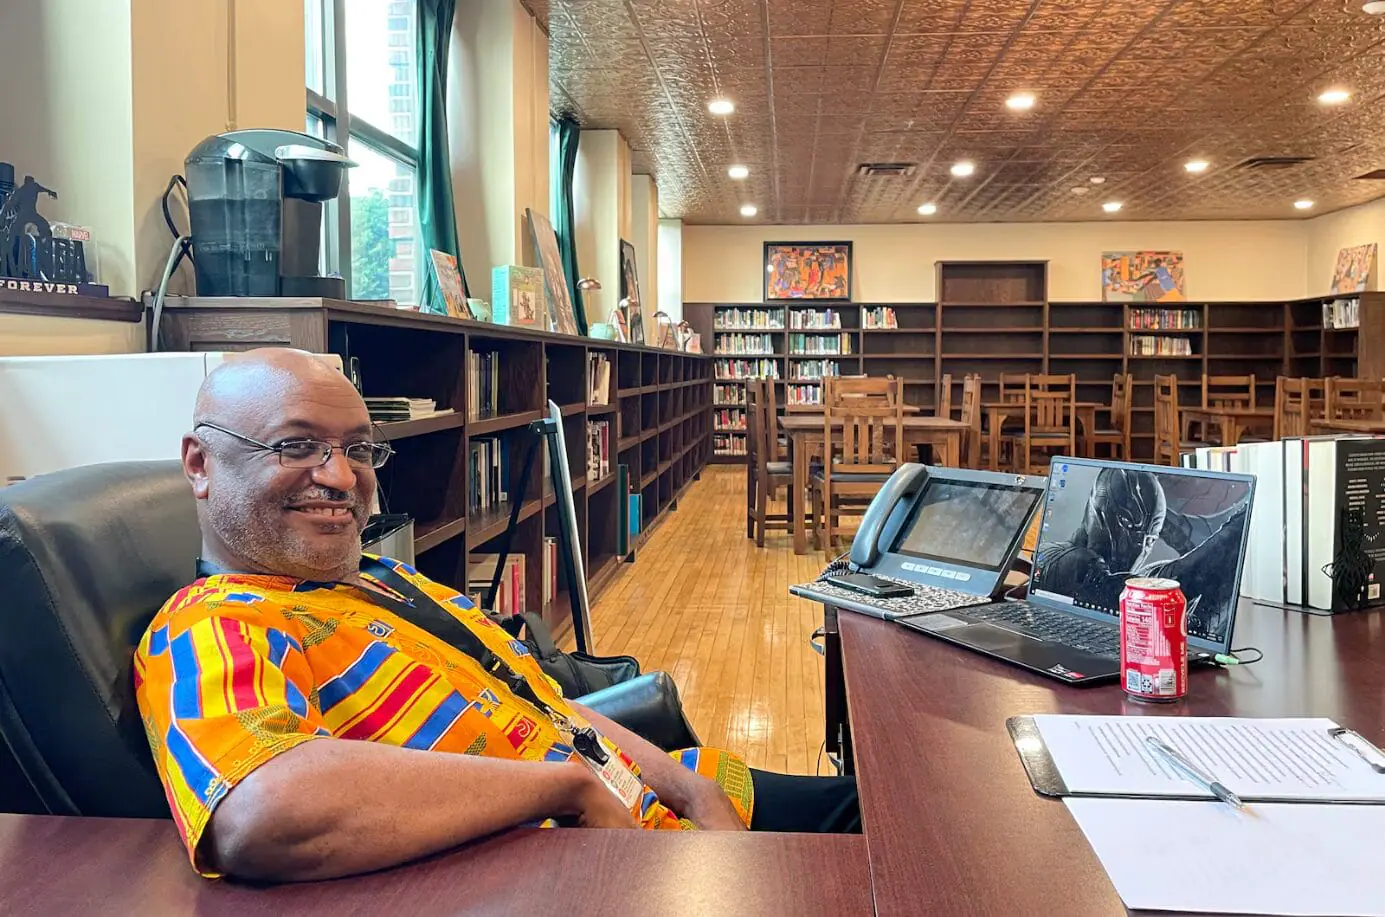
(483,385)
(819,343)
(804,394)
(730,419)
(1146,345)
(489,473)
(728,444)
(510,597)
(827,318)
(1165,319)
(744,343)
(814,369)
(1342,313)
(728,394)
(598,449)
(747,369)
(1317,520)
(737,317)
(879,317)
(598,378)
(390,410)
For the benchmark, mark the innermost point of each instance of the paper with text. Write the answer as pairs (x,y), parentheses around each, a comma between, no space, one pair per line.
(1254,758)
(1304,859)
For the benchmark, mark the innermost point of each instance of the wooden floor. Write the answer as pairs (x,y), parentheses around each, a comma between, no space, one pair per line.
(703,603)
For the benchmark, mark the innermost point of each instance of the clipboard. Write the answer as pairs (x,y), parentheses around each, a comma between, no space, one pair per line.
(1047,780)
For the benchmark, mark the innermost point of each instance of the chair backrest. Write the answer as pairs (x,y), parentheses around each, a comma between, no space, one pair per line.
(945,396)
(1292,411)
(870,440)
(861,389)
(1013,386)
(754,400)
(87,556)
(1121,398)
(1050,402)
(769,418)
(1355,399)
(1228,391)
(1167,434)
(971,416)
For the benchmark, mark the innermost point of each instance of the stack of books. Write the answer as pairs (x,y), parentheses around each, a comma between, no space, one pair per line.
(1146,345)
(814,369)
(730,419)
(747,369)
(1165,319)
(744,343)
(483,385)
(598,449)
(1341,313)
(509,598)
(598,379)
(489,477)
(804,394)
(881,317)
(389,410)
(819,343)
(828,318)
(728,394)
(749,318)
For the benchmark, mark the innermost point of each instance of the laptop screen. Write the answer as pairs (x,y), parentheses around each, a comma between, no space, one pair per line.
(970,524)
(1104,522)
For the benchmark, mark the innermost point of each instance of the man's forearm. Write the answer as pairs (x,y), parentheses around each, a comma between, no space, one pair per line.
(676,786)
(333,807)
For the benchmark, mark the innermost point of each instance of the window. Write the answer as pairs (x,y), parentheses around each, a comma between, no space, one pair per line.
(363,94)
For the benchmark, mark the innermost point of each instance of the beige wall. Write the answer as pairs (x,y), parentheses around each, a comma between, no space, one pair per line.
(1247,260)
(644,235)
(1326,235)
(601,200)
(38,336)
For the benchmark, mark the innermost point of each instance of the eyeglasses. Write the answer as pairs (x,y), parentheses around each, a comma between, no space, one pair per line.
(314,453)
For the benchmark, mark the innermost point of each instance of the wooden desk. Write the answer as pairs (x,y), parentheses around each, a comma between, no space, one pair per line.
(1345,425)
(1232,420)
(998,411)
(951,822)
(125,866)
(805,432)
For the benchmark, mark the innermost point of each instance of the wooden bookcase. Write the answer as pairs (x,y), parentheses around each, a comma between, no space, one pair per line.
(660,405)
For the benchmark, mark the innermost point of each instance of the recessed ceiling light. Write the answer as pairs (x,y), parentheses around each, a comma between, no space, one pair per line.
(1080,190)
(721,106)
(1020,101)
(1111,206)
(1195,166)
(1374,7)
(1304,204)
(748,210)
(1097,180)
(1334,97)
(738,172)
(963,169)
(928,210)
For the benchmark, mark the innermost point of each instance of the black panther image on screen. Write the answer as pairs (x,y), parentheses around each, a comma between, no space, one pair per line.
(1104,525)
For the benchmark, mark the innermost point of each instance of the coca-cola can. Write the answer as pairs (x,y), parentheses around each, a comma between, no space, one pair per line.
(1154,640)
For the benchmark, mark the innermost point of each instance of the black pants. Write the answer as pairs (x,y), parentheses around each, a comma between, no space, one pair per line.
(805,805)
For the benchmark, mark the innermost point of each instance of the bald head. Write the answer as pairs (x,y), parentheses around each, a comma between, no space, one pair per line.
(257,514)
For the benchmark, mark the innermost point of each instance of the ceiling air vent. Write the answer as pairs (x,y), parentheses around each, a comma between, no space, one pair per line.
(885,169)
(1265,163)
(1377,175)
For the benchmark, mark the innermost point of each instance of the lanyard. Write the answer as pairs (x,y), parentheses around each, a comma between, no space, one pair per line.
(423,611)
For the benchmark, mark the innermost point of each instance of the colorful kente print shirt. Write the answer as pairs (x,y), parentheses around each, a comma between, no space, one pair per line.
(238,668)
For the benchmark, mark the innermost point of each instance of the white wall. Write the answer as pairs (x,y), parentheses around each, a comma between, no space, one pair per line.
(644,235)
(1326,235)
(670,296)
(1223,260)
(601,201)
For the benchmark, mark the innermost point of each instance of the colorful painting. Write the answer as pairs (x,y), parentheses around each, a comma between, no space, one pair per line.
(561,317)
(629,274)
(1355,268)
(1142,277)
(808,270)
(517,294)
(450,284)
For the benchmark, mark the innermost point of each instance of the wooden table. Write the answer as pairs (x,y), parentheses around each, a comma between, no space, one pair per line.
(805,432)
(997,411)
(1232,420)
(54,865)
(951,823)
(1347,425)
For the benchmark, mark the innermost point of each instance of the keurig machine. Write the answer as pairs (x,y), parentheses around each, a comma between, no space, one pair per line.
(255,201)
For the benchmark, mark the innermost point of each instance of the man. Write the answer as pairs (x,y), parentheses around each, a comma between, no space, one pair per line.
(253,681)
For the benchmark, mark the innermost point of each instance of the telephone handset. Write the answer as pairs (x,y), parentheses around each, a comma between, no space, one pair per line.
(886,515)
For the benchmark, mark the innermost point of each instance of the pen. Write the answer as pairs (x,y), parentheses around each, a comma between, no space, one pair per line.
(1194,773)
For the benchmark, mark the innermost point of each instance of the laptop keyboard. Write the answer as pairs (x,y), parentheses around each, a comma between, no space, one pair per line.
(1096,637)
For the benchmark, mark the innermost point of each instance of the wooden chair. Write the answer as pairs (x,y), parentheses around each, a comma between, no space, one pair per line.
(1225,392)
(1355,399)
(1013,386)
(860,390)
(1050,421)
(971,416)
(945,397)
(1169,441)
(1117,436)
(1297,402)
(855,466)
(764,475)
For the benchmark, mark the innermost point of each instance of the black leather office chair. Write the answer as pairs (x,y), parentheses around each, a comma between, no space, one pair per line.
(87,556)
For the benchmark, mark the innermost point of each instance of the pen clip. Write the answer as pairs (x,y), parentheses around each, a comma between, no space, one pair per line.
(1363,747)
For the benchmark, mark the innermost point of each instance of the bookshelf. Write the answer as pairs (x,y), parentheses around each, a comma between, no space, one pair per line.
(658,405)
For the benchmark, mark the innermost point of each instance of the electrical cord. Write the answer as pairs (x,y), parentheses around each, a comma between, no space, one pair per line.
(173,258)
(173,226)
(1227,660)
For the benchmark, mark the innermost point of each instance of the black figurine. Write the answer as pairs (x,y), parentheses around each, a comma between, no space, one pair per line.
(26,238)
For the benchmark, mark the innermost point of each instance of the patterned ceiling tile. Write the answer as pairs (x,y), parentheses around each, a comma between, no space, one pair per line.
(1127,89)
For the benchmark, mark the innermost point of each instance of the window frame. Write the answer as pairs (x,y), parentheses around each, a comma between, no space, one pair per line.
(340,127)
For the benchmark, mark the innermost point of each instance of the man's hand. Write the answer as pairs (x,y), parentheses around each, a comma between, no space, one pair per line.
(597,806)
(711,810)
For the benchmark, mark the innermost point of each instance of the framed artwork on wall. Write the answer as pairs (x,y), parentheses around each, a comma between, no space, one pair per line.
(1355,269)
(629,274)
(1142,277)
(562,318)
(808,270)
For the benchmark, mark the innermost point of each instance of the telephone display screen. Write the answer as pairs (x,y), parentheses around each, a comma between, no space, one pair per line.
(965,523)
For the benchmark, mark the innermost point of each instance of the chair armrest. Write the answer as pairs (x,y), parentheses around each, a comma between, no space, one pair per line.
(647,706)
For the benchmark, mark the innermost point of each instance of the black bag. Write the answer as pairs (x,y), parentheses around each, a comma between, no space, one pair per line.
(578,674)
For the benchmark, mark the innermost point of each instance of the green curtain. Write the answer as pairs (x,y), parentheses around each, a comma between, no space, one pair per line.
(565,220)
(436,219)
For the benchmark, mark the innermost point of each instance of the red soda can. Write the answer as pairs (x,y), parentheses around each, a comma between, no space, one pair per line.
(1154,640)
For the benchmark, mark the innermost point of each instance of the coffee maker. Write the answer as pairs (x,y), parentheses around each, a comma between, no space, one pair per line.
(255,202)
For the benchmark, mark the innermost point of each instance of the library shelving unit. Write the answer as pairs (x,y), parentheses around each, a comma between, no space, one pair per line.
(748,342)
(659,401)
(992,318)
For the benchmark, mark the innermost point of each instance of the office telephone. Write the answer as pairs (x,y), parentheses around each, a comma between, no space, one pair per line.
(886,514)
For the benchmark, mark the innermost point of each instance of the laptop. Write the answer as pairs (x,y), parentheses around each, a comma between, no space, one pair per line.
(947,535)
(1103,522)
